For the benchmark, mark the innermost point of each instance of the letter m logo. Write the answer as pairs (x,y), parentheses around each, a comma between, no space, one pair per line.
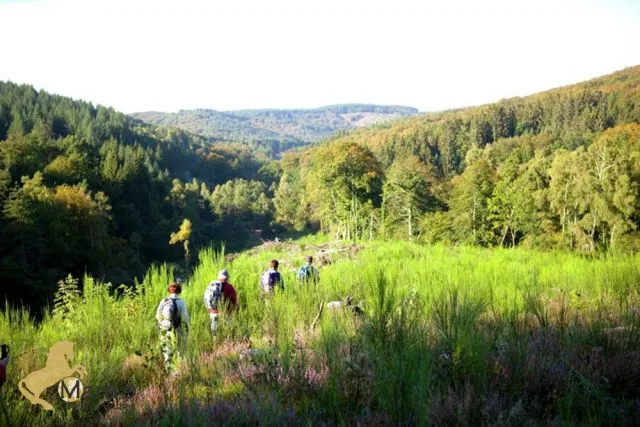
(70,389)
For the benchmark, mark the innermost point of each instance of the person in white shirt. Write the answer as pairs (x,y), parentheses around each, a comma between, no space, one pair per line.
(173,324)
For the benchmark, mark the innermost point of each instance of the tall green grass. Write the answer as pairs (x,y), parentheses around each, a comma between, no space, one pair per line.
(448,336)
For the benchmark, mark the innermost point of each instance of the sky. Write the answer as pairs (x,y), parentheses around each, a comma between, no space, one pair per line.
(140,55)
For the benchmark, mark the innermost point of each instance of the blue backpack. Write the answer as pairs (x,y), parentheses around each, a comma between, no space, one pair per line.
(307,273)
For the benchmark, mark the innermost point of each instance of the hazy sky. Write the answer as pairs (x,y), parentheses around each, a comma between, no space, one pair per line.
(140,55)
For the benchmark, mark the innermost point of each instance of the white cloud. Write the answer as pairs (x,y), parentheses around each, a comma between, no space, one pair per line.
(161,55)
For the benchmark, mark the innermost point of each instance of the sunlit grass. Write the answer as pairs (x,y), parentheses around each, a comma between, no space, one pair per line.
(448,335)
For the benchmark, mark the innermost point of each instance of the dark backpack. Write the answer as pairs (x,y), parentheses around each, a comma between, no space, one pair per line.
(216,293)
(269,279)
(169,309)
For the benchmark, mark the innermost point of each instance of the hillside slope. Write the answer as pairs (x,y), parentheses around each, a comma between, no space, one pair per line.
(277,130)
(555,169)
(84,188)
(582,108)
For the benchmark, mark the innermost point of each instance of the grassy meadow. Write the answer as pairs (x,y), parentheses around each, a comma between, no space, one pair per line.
(447,336)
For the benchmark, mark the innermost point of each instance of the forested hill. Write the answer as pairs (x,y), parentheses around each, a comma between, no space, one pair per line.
(559,169)
(88,189)
(572,111)
(273,130)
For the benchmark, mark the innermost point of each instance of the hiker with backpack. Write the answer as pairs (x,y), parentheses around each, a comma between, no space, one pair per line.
(218,292)
(308,273)
(173,324)
(271,278)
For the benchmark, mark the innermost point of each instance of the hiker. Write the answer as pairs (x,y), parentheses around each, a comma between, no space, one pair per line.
(4,361)
(218,290)
(173,324)
(271,278)
(308,273)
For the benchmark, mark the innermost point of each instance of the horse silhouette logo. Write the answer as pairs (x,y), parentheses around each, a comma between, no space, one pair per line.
(56,370)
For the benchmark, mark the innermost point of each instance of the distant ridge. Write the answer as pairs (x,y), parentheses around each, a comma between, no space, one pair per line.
(276,130)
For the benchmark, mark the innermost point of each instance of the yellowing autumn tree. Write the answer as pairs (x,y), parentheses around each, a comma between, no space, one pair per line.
(183,235)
